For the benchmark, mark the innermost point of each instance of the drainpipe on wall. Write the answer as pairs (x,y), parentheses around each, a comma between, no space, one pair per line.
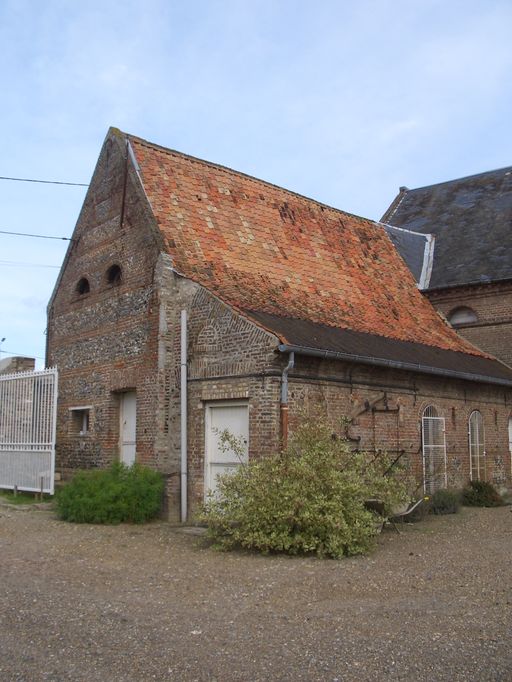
(284,400)
(183,429)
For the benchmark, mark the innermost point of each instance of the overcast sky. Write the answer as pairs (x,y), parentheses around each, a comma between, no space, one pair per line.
(340,100)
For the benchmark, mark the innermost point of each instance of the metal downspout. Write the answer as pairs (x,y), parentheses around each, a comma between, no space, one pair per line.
(183,430)
(284,400)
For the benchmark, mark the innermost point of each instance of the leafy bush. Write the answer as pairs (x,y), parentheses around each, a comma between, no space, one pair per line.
(481,494)
(445,502)
(120,493)
(309,499)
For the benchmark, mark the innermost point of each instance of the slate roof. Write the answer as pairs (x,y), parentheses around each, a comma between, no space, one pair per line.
(416,249)
(471,220)
(266,251)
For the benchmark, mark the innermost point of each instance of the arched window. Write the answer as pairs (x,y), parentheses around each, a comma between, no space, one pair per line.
(82,286)
(462,315)
(114,274)
(476,447)
(434,450)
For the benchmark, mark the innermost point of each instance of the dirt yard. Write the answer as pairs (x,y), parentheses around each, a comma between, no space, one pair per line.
(151,603)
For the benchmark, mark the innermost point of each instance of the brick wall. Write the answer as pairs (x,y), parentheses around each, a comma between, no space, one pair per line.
(229,359)
(104,341)
(385,407)
(493,305)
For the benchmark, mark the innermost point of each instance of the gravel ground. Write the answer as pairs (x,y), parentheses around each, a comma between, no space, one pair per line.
(152,603)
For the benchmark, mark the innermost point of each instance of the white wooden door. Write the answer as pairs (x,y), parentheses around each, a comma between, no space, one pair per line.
(128,427)
(231,417)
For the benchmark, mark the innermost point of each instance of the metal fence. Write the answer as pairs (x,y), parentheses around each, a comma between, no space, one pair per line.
(28,415)
(434,451)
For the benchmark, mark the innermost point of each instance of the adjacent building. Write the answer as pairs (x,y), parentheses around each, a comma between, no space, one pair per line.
(461,231)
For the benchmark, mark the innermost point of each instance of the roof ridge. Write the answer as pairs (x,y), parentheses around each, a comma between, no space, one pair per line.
(253,178)
(454,180)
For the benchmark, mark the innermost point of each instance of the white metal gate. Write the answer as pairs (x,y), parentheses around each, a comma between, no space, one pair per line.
(434,451)
(28,414)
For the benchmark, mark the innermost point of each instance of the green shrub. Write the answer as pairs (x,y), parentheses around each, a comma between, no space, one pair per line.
(445,502)
(481,494)
(309,499)
(115,495)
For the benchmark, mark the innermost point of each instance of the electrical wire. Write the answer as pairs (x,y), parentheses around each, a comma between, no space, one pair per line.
(45,182)
(40,236)
(29,265)
(21,355)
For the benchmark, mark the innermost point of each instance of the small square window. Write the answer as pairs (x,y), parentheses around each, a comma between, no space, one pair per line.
(80,420)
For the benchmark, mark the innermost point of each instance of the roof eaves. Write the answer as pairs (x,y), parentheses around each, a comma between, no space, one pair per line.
(472,283)
(394,364)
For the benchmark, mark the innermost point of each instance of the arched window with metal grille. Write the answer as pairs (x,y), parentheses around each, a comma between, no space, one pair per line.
(434,450)
(476,447)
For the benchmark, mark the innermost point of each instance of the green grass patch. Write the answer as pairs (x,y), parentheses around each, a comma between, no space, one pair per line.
(23,497)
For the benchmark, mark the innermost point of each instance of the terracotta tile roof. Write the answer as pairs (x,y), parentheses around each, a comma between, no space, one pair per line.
(260,247)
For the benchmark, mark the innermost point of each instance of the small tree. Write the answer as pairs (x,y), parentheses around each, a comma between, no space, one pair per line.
(309,499)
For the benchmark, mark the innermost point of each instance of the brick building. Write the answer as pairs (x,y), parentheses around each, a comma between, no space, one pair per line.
(16,364)
(290,307)
(462,231)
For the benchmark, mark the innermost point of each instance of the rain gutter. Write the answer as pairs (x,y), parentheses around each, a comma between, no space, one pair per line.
(183,417)
(394,364)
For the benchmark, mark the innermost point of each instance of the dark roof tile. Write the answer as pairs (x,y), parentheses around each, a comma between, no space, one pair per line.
(471,219)
(379,350)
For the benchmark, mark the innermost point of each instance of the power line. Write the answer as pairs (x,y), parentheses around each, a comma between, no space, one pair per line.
(31,265)
(45,182)
(21,355)
(40,236)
